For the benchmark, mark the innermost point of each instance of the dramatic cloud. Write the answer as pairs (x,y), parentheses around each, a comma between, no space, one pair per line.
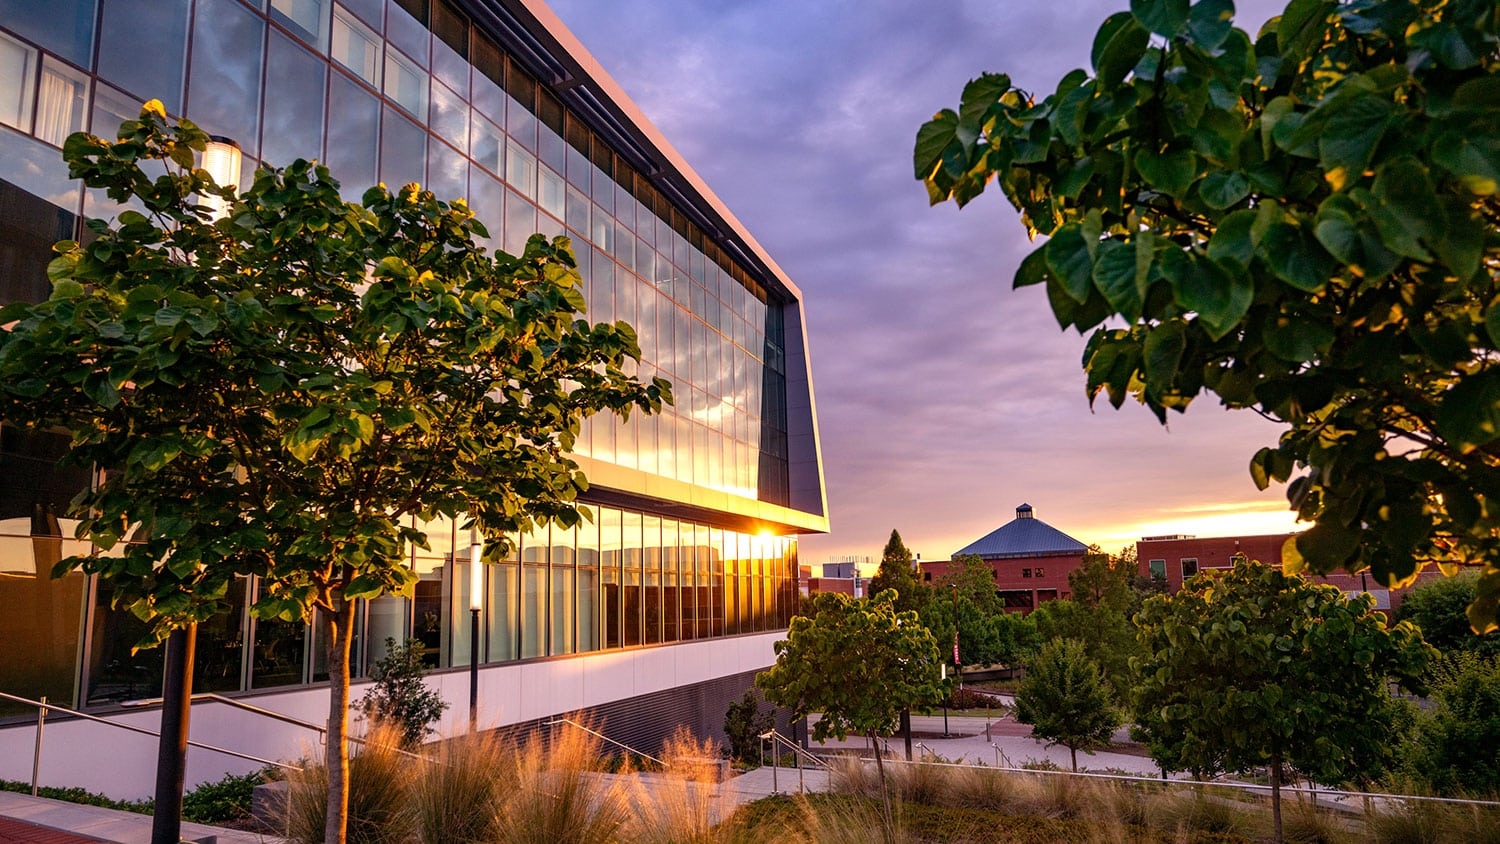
(945,398)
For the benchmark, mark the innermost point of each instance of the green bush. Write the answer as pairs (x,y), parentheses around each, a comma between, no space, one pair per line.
(400,697)
(80,796)
(225,800)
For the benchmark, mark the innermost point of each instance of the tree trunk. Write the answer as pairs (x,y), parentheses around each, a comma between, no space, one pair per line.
(885,792)
(1276,798)
(337,633)
(1074,751)
(906,730)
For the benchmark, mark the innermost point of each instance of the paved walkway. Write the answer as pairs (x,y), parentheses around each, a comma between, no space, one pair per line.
(38,820)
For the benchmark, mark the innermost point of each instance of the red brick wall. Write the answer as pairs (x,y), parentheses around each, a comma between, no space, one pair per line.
(1020,575)
(1218,551)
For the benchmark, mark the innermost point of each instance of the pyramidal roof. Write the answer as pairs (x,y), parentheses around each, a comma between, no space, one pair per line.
(1026,536)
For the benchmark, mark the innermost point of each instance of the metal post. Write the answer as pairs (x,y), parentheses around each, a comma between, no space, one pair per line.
(171,750)
(775,787)
(36,755)
(946,734)
(474,669)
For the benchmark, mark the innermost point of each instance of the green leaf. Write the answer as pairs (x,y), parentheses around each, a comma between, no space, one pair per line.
(1114,274)
(978,96)
(1349,130)
(1469,415)
(1068,257)
(1232,240)
(1209,23)
(1446,44)
(1326,547)
(1167,18)
(1219,297)
(1221,189)
(1407,212)
(1033,269)
(1475,160)
(1297,340)
(1295,257)
(1172,173)
(1165,346)
(933,139)
(1117,47)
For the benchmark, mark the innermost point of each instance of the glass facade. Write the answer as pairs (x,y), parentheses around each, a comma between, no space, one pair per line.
(402,91)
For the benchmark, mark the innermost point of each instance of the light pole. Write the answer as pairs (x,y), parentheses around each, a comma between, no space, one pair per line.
(221,158)
(476,603)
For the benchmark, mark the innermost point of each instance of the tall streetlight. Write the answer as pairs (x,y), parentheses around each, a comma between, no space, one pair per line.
(476,603)
(222,160)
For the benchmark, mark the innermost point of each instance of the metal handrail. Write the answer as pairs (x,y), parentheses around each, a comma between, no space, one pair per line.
(797,750)
(43,707)
(554,722)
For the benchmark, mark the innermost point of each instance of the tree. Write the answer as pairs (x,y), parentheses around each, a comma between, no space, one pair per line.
(1453,749)
(1254,667)
(898,572)
(744,723)
(1065,699)
(1106,634)
(965,596)
(399,695)
(285,392)
(1104,581)
(1437,609)
(859,663)
(1303,224)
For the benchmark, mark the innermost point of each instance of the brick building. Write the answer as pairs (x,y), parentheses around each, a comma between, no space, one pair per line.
(1177,557)
(1030,558)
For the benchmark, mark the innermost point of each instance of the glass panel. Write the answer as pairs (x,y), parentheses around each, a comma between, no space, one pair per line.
(552,193)
(356,46)
(370,11)
(562,609)
(43,617)
(224,94)
(488,145)
(552,149)
(31,225)
(406,84)
(388,616)
(308,19)
(610,596)
(431,622)
(218,659)
(587,538)
(520,222)
(487,201)
(64,103)
(294,110)
(65,27)
(533,611)
(115,674)
(504,591)
(719,621)
(450,117)
(145,54)
(450,48)
(651,570)
(520,170)
(447,173)
(18,65)
(630,578)
(670,563)
(407,32)
(280,653)
(403,151)
(353,135)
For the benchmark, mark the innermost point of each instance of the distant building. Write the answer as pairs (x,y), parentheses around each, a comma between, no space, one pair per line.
(1177,557)
(1030,558)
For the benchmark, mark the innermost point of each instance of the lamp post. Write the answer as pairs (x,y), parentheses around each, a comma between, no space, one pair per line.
(476,603)
(221,158)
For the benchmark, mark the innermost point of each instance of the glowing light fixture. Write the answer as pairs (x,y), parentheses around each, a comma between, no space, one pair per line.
(222,159)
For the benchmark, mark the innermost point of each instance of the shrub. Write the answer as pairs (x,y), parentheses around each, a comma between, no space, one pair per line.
(400,695)
(379,780)
(744,722)
(225,800)
(456,796)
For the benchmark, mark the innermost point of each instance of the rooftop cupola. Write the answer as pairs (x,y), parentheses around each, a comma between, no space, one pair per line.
(1024,512)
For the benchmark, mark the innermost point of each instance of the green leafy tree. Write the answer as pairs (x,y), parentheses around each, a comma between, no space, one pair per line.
(987,635)
(745,722)
(1437,608)
(1103,580)
(1065,699)
(1254,667)
(282,392)
(1106,634)
(897,571)
(1454,744)
(400,696)
(1302,223)
(859,663)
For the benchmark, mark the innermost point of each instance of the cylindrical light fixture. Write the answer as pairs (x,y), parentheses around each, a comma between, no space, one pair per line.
(476,571)
(222,160)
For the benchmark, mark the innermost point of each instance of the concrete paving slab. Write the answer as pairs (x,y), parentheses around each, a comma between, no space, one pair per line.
(95,823)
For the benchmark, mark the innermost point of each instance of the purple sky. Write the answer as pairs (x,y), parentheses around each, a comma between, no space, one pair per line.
(945,399)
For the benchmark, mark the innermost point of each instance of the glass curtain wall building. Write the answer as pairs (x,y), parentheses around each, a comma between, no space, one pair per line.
(696,511)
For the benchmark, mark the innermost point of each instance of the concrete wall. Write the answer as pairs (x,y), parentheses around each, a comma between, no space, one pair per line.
(122,765)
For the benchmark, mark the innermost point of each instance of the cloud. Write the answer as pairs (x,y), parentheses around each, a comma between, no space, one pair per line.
(945,397)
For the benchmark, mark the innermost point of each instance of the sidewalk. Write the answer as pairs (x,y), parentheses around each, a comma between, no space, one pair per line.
(38,820)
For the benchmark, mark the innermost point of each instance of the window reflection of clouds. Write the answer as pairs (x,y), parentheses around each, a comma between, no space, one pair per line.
(293,114)
(145,54)
(224,93)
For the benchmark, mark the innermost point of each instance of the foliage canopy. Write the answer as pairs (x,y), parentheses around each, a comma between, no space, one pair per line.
(1302,223)
(1254,667)
(1065,699)
(286,391)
